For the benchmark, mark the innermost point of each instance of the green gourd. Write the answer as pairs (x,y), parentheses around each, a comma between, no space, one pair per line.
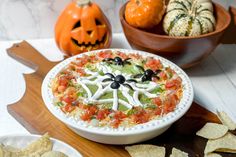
(189,18)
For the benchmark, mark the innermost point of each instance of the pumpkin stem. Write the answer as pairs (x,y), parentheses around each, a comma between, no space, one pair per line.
(137,2)
(194,8)
(83,2)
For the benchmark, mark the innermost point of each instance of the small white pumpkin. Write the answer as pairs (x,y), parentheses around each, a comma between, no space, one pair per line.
(189,18)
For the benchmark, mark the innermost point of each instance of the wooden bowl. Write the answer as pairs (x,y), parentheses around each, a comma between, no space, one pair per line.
(184,51)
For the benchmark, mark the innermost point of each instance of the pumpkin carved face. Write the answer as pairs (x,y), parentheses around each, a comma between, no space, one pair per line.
(81,28)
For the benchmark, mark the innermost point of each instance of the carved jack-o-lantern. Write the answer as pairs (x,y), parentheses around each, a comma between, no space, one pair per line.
(82,27)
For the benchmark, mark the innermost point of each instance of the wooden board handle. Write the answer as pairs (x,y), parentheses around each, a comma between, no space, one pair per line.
(29,56)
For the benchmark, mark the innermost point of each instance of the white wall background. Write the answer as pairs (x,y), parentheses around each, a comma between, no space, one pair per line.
(27,19)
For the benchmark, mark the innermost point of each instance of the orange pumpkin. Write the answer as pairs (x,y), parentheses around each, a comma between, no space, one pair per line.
(144,13)
(82,27)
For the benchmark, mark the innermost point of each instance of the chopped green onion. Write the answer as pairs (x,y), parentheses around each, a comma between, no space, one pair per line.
(60,104)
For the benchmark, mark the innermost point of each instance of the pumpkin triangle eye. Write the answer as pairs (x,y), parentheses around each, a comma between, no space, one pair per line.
(89,32)
(78,24)
(98,22)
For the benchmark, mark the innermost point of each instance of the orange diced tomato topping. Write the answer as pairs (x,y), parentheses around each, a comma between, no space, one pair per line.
(173,83)
(157,101)
(86,116)
(122,55)
(153,64)
(105,54)
(157,111)
(102,114)
(140,117)
(89,113)
(170,103)
(68,108)
(163,75)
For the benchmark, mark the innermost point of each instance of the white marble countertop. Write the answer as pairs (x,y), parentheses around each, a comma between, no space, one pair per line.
(30,19)
(214,80)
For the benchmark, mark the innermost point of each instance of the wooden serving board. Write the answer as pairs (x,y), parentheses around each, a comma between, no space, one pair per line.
(31,112)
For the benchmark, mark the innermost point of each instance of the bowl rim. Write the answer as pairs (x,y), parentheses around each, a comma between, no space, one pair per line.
(182,107)
(227,17)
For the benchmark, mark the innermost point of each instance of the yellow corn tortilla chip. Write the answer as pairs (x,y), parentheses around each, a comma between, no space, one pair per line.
(212,155)
(178,153)
(212,131)
(8,151)
(11,149)
(1,150)
(226,120)
(226,143)
(54,154)
(39,147)
(146,150)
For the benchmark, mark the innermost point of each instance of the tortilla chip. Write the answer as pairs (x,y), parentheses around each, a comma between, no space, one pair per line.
(226,143)
(212,131)
(178,153)
(8,151)
(1,150)
(41,146)
(146,150)
(212,155)
(54,154)
(11,149)
(226,120)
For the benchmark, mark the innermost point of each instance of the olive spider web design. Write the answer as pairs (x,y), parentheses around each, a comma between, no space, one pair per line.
(95,79)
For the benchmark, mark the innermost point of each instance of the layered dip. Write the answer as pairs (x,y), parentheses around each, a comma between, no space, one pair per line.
(113,89)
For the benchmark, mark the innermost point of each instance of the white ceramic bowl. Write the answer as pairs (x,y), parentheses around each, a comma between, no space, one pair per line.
(20,141)
(120,135)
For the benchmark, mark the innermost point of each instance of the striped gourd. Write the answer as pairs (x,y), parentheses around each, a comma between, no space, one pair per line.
(189,18)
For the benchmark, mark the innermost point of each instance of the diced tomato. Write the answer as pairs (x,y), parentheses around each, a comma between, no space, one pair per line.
(115,123)
(89,113)
(122,55)
(80,71)
(92,109)
(118,118)
(82,106)
(68,99)
(163,75)
(154,64)
(80,62)
(173,83)
(102,114)
(170,103)
(119,115)
(68,108)
(157,111)
(72,67)
(105,54)
(63,81)
(157,101)
(170,84)
(134,55)
(86,116)
(61,89)
(168,107)
(140,117)
(93,58)
(70,95)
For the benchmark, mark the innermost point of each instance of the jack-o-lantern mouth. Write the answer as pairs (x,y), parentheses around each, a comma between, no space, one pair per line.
(89,44)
